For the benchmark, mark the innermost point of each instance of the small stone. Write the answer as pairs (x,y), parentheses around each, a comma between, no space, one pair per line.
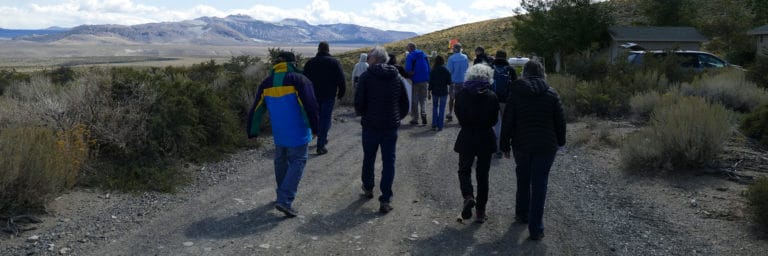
(722,189)
(33,238)
(357,237)
(207,249)
(264,246)
(64,250)
(114,217)
(436,222)
(188,244)
(107,196)
(414,235)
(314,238)
(51,247)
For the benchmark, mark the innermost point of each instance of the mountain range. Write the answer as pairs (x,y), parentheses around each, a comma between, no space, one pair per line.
(231,30)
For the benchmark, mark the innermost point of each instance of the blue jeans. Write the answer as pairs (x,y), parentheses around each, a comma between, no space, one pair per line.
(326,111)
(438,111)
(289,167)
(372,139)
(532,175)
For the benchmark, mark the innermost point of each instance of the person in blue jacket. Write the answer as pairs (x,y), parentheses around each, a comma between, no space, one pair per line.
(417,66)
(290,100)
(458,63)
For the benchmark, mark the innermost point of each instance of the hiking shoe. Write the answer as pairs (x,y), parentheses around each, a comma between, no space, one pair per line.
(423,119)
(288,211)
(449,119)
(498,155)
(385,207)
(414,121)
(466,212)
(521,219)
(480,217)
(367,193)
(322,151)
(536,236)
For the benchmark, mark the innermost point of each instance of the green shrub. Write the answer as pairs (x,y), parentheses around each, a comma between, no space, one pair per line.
(63,75)
(755,125)
(37,164)
(758,72)
(757,195)
(8,77)
(684,135)
(731,89)
(642,104)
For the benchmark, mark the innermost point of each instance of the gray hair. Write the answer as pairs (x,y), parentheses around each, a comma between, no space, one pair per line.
(480,72)
(379,54)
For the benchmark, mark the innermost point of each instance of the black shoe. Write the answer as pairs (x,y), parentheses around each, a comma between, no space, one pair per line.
(449,119)
(480,217)
(536,236)
(466,212)
(423,119)
(414,121)
(520,219)
(499,155)
(367,193)
(385,207)
(289,213)
(322,151)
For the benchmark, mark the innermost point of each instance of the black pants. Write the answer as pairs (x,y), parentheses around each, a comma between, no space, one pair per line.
(481,175)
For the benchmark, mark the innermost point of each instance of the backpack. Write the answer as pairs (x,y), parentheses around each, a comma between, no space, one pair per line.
(502,82)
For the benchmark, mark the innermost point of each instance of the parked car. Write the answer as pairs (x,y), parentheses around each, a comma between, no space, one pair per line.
(693,60)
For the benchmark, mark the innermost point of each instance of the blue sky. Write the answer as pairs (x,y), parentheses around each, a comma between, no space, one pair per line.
(421,16)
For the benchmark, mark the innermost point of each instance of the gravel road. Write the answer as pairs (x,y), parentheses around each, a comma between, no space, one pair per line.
(593,208)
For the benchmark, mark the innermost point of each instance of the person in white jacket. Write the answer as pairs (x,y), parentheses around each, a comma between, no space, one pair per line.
(360,67)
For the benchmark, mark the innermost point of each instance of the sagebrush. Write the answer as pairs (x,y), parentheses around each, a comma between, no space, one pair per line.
(757,195)
(688,134)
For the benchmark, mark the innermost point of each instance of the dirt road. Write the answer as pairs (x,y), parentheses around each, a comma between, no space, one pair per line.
(593,208)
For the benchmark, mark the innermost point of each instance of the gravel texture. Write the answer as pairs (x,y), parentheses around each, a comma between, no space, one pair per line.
(593,208)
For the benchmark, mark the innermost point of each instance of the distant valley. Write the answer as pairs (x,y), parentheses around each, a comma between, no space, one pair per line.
(231,30)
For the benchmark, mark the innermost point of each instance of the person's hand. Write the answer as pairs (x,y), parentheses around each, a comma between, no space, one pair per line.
(507,155)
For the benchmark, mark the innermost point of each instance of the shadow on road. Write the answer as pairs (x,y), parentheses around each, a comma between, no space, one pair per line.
(344,219)
(246,223)
(509,244)
(450,241)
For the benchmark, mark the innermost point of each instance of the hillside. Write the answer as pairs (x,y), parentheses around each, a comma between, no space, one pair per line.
(231,30)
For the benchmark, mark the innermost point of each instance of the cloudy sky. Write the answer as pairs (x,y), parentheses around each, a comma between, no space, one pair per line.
(421,16)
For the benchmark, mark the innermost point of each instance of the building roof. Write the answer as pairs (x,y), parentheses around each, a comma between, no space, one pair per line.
(656,34)
(759,31)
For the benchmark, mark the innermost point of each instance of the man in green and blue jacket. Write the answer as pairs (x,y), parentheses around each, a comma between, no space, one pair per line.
(293,109)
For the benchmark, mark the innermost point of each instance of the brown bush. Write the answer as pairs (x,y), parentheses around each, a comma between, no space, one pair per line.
(688,134)
(38,163)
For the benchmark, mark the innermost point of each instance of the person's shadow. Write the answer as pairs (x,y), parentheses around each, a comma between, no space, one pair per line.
(344,219)
(242,224)
(509,245)
(450,241)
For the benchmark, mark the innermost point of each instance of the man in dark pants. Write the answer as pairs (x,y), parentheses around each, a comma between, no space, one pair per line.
(326,75)
(382,102)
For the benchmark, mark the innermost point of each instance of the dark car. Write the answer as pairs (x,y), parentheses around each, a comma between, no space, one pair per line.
(692,60)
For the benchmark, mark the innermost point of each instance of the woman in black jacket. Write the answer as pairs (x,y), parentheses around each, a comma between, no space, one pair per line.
(477,109)
(533,123)
(439,79)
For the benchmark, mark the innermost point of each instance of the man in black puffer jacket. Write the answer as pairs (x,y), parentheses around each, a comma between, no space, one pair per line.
(326,75)
(534,124)
(382,102)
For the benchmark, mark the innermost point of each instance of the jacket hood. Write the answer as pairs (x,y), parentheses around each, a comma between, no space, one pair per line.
(319,54)
(418,54)
(500,62)
(476,86)
(532,87)
(383,70)
(363,57)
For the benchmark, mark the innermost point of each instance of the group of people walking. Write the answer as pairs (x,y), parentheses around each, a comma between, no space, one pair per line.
(520,117)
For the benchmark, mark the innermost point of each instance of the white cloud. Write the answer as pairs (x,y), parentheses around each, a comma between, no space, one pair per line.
(404,15)
(497,7)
